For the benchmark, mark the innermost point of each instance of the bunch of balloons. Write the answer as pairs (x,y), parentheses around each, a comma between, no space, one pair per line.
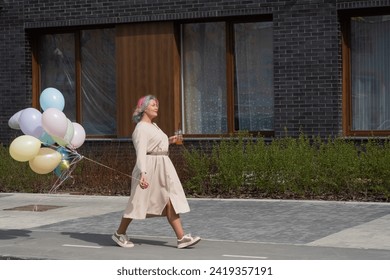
(50,139)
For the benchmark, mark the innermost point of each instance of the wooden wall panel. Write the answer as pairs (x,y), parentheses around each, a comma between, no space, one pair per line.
(147,63)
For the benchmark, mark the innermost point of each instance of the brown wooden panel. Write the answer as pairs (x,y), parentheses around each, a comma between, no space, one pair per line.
(147,63)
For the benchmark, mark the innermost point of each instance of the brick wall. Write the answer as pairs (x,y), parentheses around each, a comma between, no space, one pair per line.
(307,52)
(15,74)
(307,69)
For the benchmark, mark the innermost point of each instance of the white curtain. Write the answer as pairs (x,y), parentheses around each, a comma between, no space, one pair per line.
(370,70)
(204,78)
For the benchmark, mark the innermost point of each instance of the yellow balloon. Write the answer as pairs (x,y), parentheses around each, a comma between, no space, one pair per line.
(45,161)
(24,148)
(62,167)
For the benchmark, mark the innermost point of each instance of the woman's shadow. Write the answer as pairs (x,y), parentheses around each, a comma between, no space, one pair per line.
(105,240)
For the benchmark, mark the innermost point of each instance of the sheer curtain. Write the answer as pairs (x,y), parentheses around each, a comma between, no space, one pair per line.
(204,78)
(370,70)
(98,81)
(98,77)
(254,96)
(57,65)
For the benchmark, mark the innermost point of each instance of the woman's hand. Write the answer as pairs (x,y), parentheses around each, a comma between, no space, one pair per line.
(173,139)
(176,139)
(143,182)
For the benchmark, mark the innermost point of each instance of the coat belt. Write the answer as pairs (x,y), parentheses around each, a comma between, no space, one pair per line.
(162,153)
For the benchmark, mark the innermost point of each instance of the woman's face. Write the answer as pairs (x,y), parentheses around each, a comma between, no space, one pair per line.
(152,109)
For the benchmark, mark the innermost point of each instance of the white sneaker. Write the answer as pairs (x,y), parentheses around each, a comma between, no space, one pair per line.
(187,241)
(122,240)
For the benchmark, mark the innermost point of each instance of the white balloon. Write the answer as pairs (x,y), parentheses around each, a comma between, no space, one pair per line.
(13,122)
(78,136)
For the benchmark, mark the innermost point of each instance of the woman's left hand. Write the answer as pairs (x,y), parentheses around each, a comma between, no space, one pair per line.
(173,139)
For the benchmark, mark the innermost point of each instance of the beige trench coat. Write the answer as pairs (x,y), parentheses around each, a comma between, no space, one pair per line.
(164,183)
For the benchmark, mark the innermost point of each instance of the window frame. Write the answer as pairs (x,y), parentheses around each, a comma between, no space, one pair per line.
(345,28)
(36,71)
(230,72)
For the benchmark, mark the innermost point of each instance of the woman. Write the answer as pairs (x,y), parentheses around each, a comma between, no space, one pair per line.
(155,187)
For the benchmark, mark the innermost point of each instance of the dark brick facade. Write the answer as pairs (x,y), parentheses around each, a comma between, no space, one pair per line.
(307,49)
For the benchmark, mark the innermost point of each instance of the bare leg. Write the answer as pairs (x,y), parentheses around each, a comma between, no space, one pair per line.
(174,220)
(125,222)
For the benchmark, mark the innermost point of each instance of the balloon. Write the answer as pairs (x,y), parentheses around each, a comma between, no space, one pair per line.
(78,136)
(54,122)
(60,141)
(64,153)
(13,122)
(63,166)
(30,122)
(46,139)
(52,98)
(68,135)
(45,161)
(24,148)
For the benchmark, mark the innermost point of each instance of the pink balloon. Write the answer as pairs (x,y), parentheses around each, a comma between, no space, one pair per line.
(54,122)
(78,136)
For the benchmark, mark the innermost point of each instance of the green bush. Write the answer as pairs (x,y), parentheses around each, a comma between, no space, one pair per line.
(243,166)
(287,167)
(199,161)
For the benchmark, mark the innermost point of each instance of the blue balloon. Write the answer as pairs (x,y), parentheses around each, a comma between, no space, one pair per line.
(64,153)
(52,98)
(46,139)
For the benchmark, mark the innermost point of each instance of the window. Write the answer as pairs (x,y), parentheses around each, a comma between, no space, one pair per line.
(253,87)
(368,94)
(204,78)
(212,52)
(57,65)
(82,66)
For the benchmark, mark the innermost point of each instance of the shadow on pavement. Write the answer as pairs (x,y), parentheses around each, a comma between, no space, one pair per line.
(14,233)
(105,240)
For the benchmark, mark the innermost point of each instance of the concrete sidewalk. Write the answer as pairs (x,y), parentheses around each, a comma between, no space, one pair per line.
(80,227)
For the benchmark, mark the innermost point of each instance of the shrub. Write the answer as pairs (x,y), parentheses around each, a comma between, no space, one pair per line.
(198,166)
(288,167)
(244,166)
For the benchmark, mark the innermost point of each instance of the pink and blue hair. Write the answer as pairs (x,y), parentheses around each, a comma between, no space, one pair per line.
(142,104)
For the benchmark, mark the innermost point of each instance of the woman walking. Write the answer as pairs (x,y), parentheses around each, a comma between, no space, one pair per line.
(156,189)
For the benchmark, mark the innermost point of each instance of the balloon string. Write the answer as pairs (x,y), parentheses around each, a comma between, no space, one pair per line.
(80,157)
(75,157)
(101,164)
(66,174)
